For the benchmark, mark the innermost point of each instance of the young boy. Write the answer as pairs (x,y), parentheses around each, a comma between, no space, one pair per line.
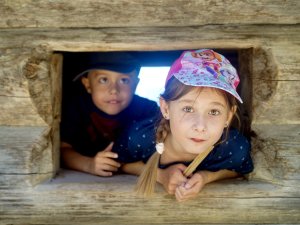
(93,120)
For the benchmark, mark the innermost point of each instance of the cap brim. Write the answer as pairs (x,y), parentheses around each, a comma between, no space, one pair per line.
(227,88)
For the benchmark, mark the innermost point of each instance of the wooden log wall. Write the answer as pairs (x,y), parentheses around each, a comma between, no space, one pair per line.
(32,35)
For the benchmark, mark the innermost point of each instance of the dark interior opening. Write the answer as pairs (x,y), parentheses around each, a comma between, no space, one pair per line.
(72,66)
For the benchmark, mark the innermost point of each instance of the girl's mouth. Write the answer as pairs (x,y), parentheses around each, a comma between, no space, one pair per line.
(197,140)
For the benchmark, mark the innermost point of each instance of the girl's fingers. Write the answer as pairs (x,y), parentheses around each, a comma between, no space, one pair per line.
(180,193)
(183,194)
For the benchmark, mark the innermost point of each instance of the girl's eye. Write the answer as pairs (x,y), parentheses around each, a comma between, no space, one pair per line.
(188,109)
(124,80)
(214,112)
(103,80)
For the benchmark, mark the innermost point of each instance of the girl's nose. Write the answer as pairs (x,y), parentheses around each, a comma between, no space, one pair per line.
(199,124)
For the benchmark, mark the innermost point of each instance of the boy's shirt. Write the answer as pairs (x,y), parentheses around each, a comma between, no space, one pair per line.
(89,130)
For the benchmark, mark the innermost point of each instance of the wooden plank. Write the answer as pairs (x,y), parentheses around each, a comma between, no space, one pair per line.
(272,44)
(25,96)
(20,111)
(56,67)
(25,150)
(111,200)
(276,152)
(22,181)
(274,73)
(281,107)
(125,13)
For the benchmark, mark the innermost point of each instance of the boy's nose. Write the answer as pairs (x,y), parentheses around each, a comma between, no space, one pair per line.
(114,88)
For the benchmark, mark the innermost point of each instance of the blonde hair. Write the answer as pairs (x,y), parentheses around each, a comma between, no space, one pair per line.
(173,91)
(147,180)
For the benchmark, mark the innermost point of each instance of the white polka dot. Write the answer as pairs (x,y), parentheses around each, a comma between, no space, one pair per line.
(144,136)
(226,142)
(243,158)
(138,145)
(230,153)
(129,138)
(241,147)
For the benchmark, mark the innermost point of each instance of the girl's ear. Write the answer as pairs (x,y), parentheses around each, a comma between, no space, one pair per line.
(164,108)
(86,83)
(231,114)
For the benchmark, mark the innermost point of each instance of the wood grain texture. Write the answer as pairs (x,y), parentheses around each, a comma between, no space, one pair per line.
(275,63)
(141,13)
(34,33)
(98,200)
(25,150)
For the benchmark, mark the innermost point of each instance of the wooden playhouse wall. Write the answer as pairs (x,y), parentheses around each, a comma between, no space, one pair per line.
(33,33)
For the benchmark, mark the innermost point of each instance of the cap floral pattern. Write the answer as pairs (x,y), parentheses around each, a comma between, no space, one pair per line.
(206,68)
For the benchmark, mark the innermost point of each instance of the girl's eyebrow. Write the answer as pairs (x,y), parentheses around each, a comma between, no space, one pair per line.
(190,101)
(218,104)
(186,100)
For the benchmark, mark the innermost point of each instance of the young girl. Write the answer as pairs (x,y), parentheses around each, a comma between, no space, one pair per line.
(197,108)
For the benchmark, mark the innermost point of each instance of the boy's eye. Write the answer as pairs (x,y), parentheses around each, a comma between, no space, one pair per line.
(103,80)
(214,112)
(124,80)
(188,109)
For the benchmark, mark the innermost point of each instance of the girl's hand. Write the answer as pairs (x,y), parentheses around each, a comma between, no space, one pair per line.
(103,164)
(191,188)
(172,177)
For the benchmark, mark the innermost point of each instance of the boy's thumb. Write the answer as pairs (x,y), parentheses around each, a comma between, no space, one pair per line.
(109,147)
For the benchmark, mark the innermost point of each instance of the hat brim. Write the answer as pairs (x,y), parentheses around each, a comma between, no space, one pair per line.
(112,67)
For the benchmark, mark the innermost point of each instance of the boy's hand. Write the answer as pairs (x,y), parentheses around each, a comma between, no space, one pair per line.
(191,188)
(172,177)
(103,164)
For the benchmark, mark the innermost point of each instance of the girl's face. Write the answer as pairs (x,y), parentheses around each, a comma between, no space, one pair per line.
(111,91)
(197,121)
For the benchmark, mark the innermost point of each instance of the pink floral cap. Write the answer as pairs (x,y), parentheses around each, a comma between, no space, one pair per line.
(205,68)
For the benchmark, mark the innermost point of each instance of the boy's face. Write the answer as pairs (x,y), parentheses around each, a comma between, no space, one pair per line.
(111,91)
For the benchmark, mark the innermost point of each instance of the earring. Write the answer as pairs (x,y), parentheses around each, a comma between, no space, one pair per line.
(226,124)
(166,116)
(160,147)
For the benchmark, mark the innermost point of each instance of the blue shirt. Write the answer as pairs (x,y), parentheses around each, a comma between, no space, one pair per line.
(137,143)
